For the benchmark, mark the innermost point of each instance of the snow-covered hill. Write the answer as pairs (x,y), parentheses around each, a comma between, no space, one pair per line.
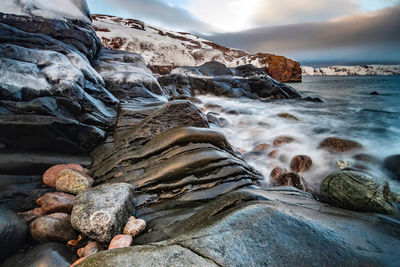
(164,50)
(364,70)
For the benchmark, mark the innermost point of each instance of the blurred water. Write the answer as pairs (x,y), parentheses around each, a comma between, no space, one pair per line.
(348,111)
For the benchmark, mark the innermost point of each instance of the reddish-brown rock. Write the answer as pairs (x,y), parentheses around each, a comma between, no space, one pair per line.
(289,179)
(50,176)
(121,241)
(73,182)
(280,68)
(276,173)
(261,147)
(273,153)
(77,262)
(31,215)
(301,163)
(56,202)
(54,227)
(134,226)
(338,145)
(283,140)
(90,249)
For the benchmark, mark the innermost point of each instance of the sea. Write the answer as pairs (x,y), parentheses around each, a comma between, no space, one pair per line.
(348,111)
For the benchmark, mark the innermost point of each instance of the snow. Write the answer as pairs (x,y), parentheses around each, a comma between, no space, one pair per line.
(163,47)
(364,70)
(60,9)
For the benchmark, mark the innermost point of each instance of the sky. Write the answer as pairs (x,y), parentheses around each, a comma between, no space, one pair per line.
(315,32)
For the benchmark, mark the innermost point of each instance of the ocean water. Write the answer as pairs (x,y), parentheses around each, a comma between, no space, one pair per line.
(348,111)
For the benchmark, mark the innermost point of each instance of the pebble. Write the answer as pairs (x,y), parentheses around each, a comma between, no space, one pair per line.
(261,147)
(73,182)
(90,249)
(56,202)
(134,226)
(51,175)
(283,140)
(121,241)
(53,227)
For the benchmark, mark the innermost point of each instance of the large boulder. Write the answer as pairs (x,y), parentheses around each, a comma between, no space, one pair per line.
(102,212)
(12,232)
(254,227)
(392,165)
(358,191)
(45,255)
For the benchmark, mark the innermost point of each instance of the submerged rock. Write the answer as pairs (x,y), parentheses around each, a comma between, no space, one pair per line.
(56,202)
(73,182)
(392,164)
(54,227)
(283,140)
(301,163)
(357,191)
(287,116)
(12,232)
(102,212)
(51,175)
(261,147)
(339,145)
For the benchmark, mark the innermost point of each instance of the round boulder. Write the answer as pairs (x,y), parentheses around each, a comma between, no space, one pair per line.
(338,145)
(357,191)
(51,175)
(53,227)
(56,202)
(392,164)
(12,232)
(301,163)
(73,182)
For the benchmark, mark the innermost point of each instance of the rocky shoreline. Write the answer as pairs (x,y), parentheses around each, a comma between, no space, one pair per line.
(104,164)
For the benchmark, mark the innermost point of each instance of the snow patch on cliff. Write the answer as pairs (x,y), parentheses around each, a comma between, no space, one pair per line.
(364,70)
(60,9)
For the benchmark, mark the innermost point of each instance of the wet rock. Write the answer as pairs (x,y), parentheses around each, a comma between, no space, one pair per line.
(338,145)
(214,106)
(392,164)
(287,116)
(357,191)
(367,158)
(46,255)
(213,118)
(301,163)
(90,249)
(54,227)
(134,226)
(31,215)
(56,202)
(374,93)
(274,153)
(261,147)
(341,164)
(276,173)
(51,175)
(289,179)
(121,241)
(101,212)
(73,182)
(283,140)
(12,232)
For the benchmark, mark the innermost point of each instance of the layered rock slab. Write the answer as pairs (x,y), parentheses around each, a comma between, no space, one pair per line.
(276,227)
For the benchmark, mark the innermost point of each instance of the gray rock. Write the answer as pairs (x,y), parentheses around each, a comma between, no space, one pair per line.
(357,191)
(44,255)
(12,232)
(102,212)
(252,227)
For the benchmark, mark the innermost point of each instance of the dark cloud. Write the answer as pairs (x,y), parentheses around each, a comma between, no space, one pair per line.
(372,37)
(158,12)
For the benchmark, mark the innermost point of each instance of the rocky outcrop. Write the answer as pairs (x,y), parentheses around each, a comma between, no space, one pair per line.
(258,227)
(364,70)
(164,50)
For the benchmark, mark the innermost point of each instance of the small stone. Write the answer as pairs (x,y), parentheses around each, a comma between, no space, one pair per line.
(213,106)
(301,163)
(56,202)
(134,226)
(287,116)
(73,182)
(283,140)
(51,175)
(121,241)
(72,243)
(276,173)
(273,153)
(290,179)
(260,147)
(53,227)
(338,145)
(342,164)
(77,262)
(31,215)
(90,249)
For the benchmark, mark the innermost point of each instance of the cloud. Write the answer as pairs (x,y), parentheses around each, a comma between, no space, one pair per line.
(363,38)
(156,12)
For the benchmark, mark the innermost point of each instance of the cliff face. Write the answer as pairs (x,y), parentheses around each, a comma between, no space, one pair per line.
(165,50)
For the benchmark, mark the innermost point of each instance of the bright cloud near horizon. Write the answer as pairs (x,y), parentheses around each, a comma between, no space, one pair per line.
(209,16)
